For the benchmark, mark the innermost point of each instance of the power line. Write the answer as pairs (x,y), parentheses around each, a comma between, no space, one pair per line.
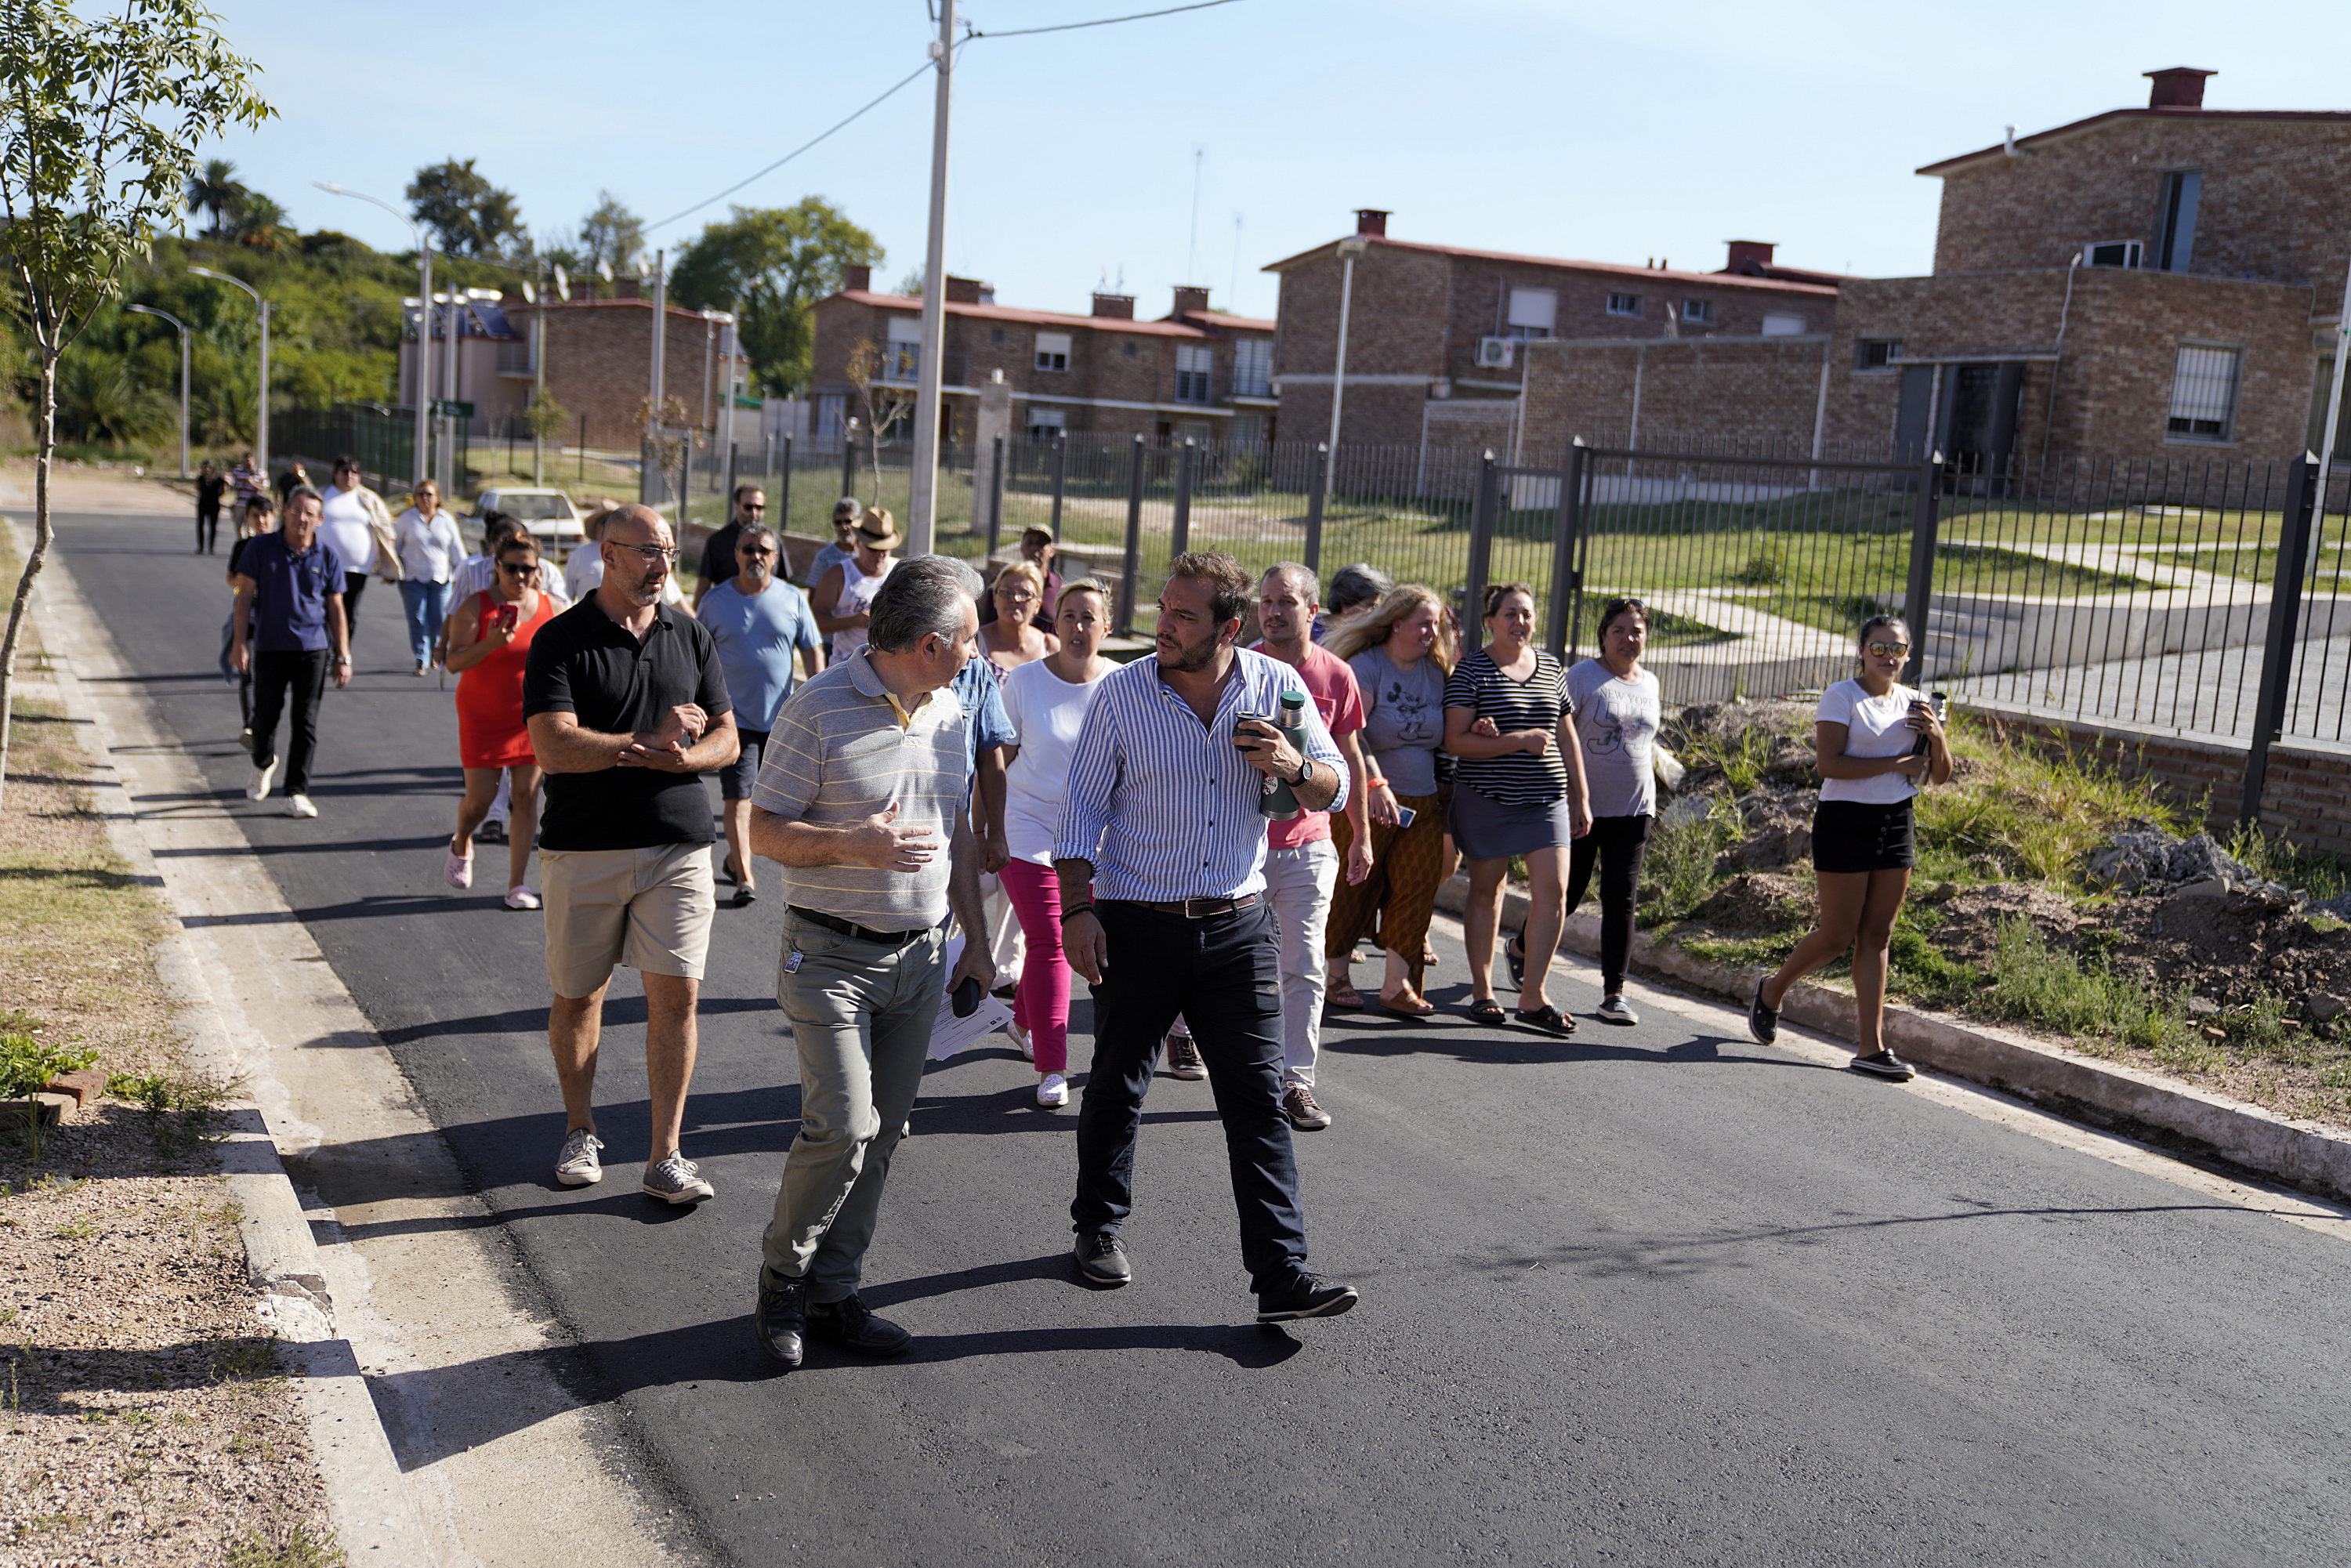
(1104,22)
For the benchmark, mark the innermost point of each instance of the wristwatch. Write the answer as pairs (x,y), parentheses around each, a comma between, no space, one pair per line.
(1305,772)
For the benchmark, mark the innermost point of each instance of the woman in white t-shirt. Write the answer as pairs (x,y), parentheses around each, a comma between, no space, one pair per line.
(1876,740)
(1047,700)
(1617,711)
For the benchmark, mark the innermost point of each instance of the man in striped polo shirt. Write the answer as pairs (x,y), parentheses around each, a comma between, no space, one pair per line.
(1161,856)
(863,801)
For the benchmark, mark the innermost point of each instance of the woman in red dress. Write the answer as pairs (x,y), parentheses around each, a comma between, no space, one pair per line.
(488,645)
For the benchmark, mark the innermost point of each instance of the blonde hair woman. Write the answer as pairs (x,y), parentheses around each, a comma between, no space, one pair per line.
(1400,649)
(1009,641)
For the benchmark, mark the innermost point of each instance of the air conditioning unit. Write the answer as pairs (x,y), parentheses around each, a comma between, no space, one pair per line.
(1495,354)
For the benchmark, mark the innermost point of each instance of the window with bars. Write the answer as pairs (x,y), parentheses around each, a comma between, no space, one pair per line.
(2204,391)
(1194,364)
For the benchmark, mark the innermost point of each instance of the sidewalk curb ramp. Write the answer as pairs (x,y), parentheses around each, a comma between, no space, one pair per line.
(2170,1115)
(374,1513)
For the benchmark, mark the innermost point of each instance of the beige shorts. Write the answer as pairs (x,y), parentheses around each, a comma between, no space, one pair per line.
(649,909)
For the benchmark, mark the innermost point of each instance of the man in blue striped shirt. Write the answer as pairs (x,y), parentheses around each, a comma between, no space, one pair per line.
(1161,856)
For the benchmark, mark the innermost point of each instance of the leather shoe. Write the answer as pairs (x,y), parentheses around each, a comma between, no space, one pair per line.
(1101,1259)
(850,1324)
(780,1321)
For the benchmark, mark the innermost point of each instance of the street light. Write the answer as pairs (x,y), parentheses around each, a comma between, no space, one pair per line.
(423,319)
(1349,248)
(182,326)
(261,419)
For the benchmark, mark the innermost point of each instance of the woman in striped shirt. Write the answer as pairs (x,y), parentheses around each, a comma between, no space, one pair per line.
(1518,790)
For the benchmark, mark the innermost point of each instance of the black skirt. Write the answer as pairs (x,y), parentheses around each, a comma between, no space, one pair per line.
(1850,836)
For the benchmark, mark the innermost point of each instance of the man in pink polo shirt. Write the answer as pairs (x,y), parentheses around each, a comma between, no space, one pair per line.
(1301,865)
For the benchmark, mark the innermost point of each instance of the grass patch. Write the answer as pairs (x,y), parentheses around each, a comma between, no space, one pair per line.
(282,1547)
(2323,876)
(2032,983)
(2024,812)
(1679,871)
(1737,951)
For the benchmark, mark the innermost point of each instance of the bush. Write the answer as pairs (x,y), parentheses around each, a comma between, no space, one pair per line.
(1679,869)
(27,1066)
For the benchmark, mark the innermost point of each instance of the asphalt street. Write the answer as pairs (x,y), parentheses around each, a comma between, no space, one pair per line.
(1649,1296)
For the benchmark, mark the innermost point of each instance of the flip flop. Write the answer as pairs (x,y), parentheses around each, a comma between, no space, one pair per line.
(1487,1010)
(1547,1018)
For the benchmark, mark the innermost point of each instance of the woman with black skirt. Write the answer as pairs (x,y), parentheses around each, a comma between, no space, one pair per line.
(1876,740)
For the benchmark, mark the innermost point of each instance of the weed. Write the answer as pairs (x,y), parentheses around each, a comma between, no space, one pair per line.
(282,1546)
(1767,567)
(2032,983)
(26,1065)
(2315,871)
(1737,953)
(76,1230)
(1679,869)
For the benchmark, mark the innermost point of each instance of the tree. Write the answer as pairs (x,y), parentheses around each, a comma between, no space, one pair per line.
(470,216)
(259,222)
(612,234)
(103,118)
(769,266)
(216,189)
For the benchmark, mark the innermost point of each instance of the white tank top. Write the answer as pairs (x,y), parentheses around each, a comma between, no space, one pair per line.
(857,591)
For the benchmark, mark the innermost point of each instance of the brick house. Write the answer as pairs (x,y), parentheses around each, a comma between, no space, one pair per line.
(599,363)
(2151,284)
(1439,336)
(1195,373)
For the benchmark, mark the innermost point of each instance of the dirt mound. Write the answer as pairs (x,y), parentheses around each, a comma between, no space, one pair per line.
(1757,904)
(1969,930)
(1779,832)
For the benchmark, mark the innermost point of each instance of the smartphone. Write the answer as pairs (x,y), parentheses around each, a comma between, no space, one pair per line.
(509,616)
(1404,814)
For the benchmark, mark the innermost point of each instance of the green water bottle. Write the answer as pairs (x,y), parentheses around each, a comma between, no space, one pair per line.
(1277,801)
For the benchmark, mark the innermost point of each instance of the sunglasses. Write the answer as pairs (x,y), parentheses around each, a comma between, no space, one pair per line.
(757,554)
(754,506)
(1889,649)
(517,567)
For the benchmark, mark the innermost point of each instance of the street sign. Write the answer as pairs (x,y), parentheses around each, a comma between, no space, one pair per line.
(453,408)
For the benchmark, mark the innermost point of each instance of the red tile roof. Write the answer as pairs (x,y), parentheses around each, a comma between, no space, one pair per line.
(2305,116)
(1035,318)
(1221,320)
(1612,268)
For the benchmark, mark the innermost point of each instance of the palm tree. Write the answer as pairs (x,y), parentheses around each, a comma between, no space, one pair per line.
(217,190)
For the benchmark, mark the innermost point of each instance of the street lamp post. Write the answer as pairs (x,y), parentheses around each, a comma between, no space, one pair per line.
(261,416)
(930,375)
(182,326)
(424,436)
(1349,248)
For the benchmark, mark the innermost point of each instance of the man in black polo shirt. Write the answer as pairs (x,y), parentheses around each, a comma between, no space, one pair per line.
(627,707)
(749,507)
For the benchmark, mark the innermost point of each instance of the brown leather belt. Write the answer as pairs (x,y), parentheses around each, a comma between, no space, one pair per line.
(1192,908)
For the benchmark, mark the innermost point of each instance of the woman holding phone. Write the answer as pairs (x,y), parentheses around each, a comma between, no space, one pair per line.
(1875,741)
(489,642)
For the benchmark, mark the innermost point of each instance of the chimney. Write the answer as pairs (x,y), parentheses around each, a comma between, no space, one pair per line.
(965,291)
(1118,307)
(1751,257)
(2181,87)
(1372,221)
(1189,300)
(858,278)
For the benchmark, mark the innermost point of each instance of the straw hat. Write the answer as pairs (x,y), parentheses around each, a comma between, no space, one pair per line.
(878,531)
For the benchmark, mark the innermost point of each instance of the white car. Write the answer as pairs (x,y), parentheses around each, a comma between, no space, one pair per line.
(549,516)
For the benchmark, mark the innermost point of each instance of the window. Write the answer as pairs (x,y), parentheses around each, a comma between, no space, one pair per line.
(1052,350)
(1253,367)
(1533,313)
(1044,424)
(1776,326)
(1876,353)
(2112,252)
(1624,305)
(1129,347)
(904,358)
(1195,362)
(2175,219)
(995,334)
(2204,392)
(1698,310)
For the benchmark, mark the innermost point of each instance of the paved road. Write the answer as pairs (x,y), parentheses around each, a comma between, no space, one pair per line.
(1654,1296)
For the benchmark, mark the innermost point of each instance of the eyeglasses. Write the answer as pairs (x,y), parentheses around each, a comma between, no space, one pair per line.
(1889,649)
(757,554)
(650,552)
(518,568)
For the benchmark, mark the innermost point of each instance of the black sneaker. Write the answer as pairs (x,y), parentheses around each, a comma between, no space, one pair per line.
(491,832)
(850,1323)
(1101,1259)
(1763,1022)
(781,1320)
(1304,1296)
(1884,1064)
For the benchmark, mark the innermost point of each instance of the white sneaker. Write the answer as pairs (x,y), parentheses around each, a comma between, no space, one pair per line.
(677,1180)
(1052,1089)
(578,1166)
(520,897)
(1617,1010)
(1021,1042)
(299,806)
(257,787)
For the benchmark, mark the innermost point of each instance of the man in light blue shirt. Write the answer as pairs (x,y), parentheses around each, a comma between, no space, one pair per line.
(1161,857)
(758,620)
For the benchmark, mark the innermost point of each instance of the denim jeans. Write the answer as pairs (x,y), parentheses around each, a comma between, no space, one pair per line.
(1221,973)
(427,604)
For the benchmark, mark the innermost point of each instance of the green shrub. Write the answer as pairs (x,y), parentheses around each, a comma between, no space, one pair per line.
(2032,983)
(1679,871)
(26,1065)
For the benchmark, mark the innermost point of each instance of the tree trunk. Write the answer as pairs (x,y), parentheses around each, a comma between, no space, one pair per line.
(45,438)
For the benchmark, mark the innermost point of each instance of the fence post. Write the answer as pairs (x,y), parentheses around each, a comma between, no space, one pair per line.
(2302,496)
(1317,491)
(1566,585)
(783,483)
(849,459)
(1918,598)
(1127,571)
(995,495)
(1060,477)
(1179,537)
(1481,549)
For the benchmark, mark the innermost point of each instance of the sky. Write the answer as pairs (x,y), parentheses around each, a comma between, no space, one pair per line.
(1079,159)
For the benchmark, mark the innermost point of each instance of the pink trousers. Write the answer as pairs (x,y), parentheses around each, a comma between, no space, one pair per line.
(1041,1005)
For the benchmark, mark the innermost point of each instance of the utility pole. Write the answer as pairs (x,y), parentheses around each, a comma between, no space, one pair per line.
(923,497)
(261,415)
(653,403)
(182,326)
(448,459)
(418,459)
(539,381)
(1349,248)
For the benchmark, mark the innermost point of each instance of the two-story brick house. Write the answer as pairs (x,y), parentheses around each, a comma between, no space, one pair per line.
(2151,284)
(1437,336)
(1195,373)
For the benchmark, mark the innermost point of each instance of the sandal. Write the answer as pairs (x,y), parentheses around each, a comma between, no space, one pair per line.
(1406,1003)
(1547,1018)
(1515,951)
(1487,1010)
(1343,996)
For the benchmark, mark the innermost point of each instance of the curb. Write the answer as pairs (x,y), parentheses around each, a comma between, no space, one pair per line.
(2170,1116)
(368,1495)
